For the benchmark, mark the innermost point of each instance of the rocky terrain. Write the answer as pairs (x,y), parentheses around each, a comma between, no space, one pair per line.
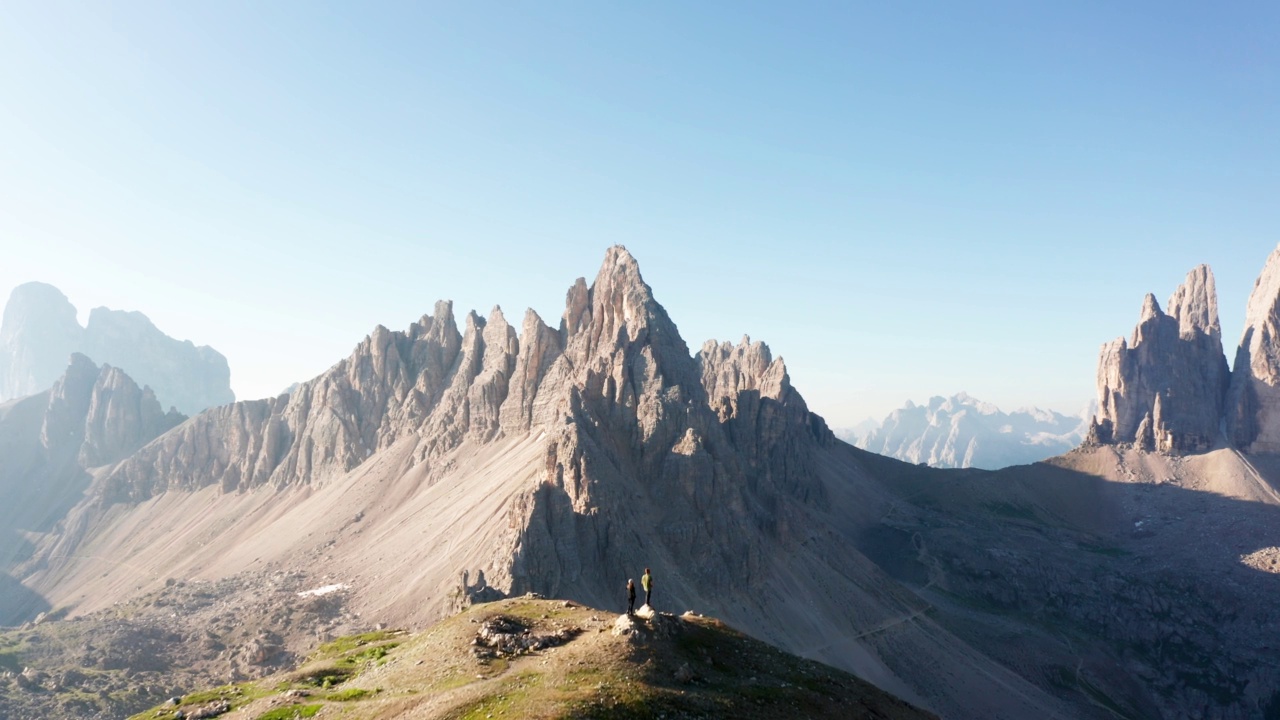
(184,635)
(440,466)
(40,331)
(962,431)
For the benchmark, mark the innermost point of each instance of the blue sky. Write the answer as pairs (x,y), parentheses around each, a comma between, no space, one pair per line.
(902,199)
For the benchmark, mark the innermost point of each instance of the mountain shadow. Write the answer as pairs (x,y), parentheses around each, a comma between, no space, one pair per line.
(1139,583)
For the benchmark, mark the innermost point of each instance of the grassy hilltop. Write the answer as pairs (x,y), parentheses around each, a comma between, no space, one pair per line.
(534,658)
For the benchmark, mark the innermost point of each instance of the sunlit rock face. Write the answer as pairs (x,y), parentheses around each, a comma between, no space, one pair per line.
(1165,388)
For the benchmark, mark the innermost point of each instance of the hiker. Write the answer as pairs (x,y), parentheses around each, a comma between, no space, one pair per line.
(631,597)
(647,582)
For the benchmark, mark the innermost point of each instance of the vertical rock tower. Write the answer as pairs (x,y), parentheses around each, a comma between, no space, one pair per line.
(1253,402)
(1165,389)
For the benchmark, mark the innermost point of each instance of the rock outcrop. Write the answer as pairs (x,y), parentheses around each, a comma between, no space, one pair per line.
(91,417)
(1253,406)
(40,332)
(962,431)
(1165,388)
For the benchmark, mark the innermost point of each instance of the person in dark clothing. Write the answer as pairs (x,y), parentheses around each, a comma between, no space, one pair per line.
(647,582)
(631,597)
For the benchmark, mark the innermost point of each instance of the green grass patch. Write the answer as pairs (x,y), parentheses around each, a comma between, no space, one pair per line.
(376,654)
(344,645)
(11,649)
(237,695)
(204,696)
(290,713)
(349,695)
(321,677)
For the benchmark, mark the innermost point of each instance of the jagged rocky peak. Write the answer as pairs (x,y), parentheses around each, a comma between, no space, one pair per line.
(1195,304)
(103,413)
(615,375)
(1253,407)
(121,418)
(1165,389)
(729,370)
(617,310)
(539,348)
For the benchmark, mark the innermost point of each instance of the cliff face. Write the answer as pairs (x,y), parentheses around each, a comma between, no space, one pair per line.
(1253,405)
(1165,388)
(40,332)
(49,441)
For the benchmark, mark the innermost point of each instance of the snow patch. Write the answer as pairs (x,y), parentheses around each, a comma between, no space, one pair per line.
(317,592)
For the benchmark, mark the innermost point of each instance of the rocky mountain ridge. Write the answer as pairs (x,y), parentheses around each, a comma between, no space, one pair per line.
(40,332)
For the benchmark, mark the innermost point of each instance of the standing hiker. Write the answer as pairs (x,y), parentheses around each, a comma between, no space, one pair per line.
(647,581)
(631,597)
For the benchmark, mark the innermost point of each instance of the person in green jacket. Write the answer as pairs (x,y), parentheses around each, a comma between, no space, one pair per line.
(647,582)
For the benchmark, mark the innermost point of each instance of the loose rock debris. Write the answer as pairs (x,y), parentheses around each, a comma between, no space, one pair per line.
(507,636)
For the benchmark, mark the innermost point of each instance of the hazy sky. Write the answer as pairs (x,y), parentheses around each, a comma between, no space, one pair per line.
(902,199)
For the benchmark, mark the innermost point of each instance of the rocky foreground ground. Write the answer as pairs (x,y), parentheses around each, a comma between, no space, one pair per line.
(114,662)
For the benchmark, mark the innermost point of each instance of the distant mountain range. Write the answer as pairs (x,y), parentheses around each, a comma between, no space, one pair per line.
(40,332)
(962,431)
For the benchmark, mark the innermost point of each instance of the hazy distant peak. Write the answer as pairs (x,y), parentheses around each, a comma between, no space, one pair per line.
(40,331)
(963,431)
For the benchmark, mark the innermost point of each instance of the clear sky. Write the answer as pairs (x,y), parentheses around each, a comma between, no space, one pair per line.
(902,199)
